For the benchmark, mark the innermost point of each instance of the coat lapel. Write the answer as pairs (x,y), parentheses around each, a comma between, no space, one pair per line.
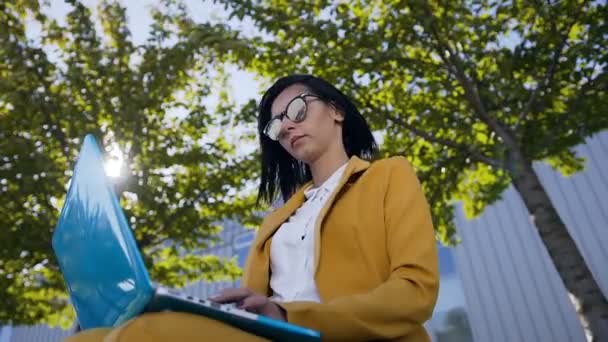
(275,219)
(355,166)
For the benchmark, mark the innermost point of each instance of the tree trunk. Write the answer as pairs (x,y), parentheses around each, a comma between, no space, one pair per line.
(585,294)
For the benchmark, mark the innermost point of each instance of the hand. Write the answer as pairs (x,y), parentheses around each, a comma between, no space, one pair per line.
(252,302)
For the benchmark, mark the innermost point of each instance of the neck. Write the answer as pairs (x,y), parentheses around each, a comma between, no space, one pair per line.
(322,168)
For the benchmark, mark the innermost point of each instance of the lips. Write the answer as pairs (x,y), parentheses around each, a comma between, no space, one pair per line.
(294,139)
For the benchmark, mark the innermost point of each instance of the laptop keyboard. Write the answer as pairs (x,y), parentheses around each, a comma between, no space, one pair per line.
(230,308)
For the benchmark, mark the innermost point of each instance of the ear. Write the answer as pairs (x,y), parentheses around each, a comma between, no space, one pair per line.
(337,114)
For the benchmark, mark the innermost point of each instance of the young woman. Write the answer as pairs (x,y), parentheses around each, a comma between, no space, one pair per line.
(351,252)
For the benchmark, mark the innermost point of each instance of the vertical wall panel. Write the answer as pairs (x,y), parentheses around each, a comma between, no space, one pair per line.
(502,255)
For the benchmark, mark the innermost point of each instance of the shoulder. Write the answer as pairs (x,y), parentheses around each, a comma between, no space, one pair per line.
(392,172)
(392,165)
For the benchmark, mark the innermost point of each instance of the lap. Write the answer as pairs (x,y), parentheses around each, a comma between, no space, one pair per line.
(167,326)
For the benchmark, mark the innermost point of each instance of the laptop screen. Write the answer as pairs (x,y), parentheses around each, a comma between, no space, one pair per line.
(101,264)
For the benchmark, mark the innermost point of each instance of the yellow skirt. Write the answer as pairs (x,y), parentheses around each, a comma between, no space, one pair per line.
(167,326)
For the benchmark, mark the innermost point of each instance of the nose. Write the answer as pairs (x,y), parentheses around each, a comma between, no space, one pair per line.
(286,126)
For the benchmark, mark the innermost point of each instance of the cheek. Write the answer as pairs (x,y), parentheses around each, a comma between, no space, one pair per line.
(323,127)
(316,122)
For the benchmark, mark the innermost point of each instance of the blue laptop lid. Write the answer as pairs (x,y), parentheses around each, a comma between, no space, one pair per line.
(101,264)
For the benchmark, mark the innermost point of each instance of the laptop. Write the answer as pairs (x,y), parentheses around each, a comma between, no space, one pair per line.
(104,270)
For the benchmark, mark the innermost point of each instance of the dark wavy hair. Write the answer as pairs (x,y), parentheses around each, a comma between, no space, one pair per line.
(279,168)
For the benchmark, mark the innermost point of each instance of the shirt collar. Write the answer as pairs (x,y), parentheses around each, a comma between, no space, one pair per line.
(329,184)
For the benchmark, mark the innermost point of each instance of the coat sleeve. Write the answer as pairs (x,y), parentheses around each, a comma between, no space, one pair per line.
(400,305)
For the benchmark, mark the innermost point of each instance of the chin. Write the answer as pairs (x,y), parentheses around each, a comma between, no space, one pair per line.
(305,155)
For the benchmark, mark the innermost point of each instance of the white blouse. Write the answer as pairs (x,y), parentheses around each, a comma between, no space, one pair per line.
(292,247)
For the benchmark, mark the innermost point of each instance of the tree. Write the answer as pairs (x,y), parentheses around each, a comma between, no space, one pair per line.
(473,92)
(148,101)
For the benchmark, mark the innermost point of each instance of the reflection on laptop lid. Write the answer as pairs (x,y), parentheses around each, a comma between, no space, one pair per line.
(101,264)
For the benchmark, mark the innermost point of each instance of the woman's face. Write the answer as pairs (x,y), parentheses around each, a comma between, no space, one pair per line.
(309,139)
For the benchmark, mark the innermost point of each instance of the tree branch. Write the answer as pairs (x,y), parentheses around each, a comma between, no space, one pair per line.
(454,65)
(472,153)
(422,134)
(550,71)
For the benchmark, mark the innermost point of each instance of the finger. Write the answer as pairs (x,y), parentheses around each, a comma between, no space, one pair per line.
(231,295)
(228,295)
(254,303)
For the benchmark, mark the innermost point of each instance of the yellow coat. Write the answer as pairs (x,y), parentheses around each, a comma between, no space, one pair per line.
(376,263)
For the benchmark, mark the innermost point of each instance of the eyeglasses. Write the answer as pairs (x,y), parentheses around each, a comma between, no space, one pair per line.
(296,111)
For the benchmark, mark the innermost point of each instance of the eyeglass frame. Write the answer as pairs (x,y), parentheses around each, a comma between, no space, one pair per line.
(283,114)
